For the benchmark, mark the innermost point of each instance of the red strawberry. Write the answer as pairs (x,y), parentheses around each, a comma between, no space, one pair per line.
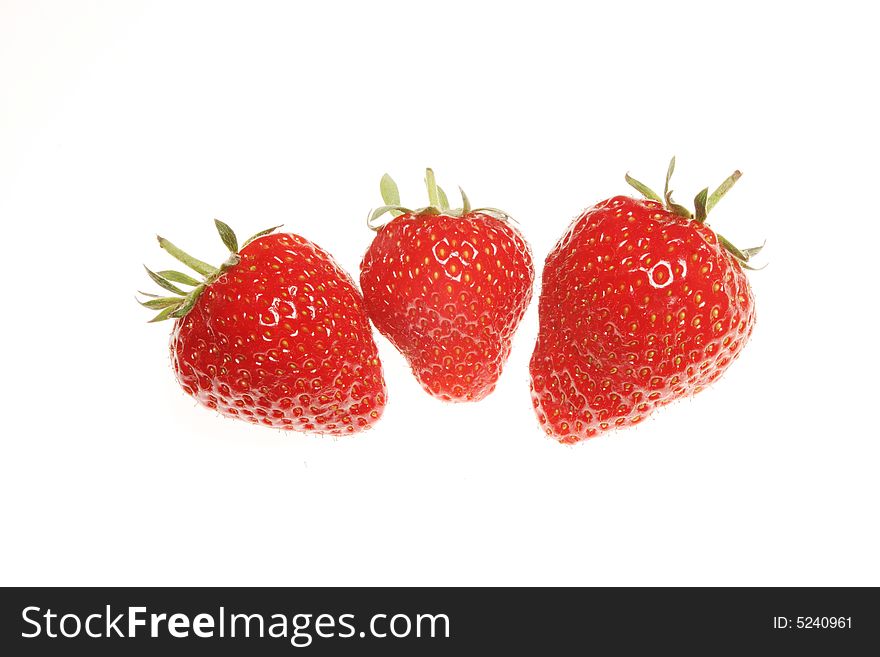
(448,288)
(641,303)
(276,336)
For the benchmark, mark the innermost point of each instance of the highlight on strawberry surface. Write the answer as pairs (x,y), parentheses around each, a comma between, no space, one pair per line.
(448,287)
(276,335)
(641,303)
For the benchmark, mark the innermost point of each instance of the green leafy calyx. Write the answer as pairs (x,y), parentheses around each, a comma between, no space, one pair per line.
(177,306)
(438,203)
(703,204)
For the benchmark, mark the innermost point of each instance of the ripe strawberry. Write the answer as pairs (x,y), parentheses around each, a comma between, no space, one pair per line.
(641,303)
(448,289)
(276,336)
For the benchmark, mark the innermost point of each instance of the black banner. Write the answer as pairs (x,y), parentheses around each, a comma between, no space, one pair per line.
(277,621)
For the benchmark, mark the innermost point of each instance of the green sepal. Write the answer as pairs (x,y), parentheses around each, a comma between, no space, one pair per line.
(723,188)
(161,302)
(390,193)
(438,203)
(495,212)
(231,261)
(178,277)
(378,212)
(444,201)
(388,189)
(431,184)
(163,315)
(642,188)
(700,205)
(742,255)
(669,171)
(755,250)
(163,283)
(727,244)
(188,303)
(675,208)
(176,307)
(262,233)
(671,205)
(680,210)
(465,202)
(703,204)
(193,263)
(227,235)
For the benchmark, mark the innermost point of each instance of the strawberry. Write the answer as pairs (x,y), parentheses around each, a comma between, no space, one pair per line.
(448,288)
(641,303)
(276,336)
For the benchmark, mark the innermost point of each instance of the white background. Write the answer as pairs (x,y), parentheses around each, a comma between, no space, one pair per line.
(122,120)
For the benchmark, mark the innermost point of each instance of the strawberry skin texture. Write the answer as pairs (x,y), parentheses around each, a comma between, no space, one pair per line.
(449,292)
(281,339)
(638,307)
